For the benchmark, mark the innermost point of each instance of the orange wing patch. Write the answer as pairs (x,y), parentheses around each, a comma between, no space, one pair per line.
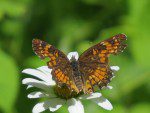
(41,48)
(88,88)
(63,79)
(53,58)
(100,77)
(115,44)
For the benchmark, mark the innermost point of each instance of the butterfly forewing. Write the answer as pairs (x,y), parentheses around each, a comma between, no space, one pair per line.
(93,63)
(59,63)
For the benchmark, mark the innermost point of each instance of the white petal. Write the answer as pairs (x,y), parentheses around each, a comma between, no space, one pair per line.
(40,107)
(71,54)
(36,83)
(53,105)
(114,68)
(29,86)
(109,87)
(103,102)
(36,73)
(37,95)
(39,74)
(47,71)
(90,96)
(75,106)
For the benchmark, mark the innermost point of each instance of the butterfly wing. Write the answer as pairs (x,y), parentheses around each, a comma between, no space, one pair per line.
(93,63)
(59,63)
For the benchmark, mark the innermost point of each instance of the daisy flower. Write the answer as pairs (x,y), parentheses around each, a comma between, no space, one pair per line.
(56,96)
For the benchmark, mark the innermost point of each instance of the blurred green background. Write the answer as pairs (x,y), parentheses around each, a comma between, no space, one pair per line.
(75,25)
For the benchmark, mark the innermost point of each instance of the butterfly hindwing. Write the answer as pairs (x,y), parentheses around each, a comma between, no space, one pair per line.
(59,63)
(93,63)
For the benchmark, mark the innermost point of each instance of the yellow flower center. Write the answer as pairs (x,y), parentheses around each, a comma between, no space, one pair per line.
(65,93)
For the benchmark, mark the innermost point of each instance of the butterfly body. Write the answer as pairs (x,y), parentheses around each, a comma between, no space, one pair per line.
(77,76)
(89,70)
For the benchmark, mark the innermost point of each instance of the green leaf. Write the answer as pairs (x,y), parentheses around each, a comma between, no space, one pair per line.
(8,82)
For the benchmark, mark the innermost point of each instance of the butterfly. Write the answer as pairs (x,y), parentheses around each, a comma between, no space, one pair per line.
(89,70)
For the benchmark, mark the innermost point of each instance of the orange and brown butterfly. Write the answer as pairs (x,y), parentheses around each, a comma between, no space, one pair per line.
(89,70)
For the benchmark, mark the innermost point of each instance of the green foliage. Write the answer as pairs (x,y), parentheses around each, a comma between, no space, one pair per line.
(9,82)
(144,107)
(75,26)
(139,30)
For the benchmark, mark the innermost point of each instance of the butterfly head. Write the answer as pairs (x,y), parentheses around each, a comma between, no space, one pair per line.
(73,59)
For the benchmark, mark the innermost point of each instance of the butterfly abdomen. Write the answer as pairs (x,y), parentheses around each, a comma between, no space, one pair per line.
(77,75)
